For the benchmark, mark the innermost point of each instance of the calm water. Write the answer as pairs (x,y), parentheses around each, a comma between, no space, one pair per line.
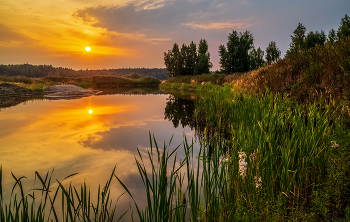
(43,135)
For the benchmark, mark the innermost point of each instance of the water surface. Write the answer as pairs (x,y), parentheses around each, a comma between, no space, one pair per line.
(88,136)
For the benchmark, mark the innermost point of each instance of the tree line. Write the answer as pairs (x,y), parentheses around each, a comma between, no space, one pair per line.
(239,54)
(29,70)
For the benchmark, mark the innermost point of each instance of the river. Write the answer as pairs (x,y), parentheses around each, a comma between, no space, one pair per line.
(89,136)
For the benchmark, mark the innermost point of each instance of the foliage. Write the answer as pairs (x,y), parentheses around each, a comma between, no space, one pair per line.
(344,28)
(203,63)
(234,57)
(187,61)
(312,39)
(197,79)
(297,39)
(189,56)
(256,58)
(272,53)
(301,41)
(172,61)
(33,71)
(332,36)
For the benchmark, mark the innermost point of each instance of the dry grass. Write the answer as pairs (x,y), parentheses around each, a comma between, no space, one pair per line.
(322,70)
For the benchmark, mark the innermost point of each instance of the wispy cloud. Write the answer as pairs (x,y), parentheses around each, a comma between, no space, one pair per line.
(9,35)
(220,25)
(161,18)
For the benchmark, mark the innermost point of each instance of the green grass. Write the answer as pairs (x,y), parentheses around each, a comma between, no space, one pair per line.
(56,204)
(293,170)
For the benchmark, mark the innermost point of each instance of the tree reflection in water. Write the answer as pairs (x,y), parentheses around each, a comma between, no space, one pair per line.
(180,110)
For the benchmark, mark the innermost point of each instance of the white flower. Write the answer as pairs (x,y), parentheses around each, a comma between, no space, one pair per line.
(257,181)
(242,155)
(242,164)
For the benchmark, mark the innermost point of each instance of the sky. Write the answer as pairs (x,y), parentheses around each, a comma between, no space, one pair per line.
(124,33)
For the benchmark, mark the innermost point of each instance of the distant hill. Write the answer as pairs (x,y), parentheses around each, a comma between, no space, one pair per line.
(29,70)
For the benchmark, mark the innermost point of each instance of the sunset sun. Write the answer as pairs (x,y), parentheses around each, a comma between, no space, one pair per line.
(87,48)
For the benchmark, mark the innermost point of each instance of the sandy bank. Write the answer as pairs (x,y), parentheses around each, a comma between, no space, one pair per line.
(67,92)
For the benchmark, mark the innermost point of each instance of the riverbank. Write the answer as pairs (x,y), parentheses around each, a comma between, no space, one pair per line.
(34,85)
(283,131)
(306,76)
(281,160)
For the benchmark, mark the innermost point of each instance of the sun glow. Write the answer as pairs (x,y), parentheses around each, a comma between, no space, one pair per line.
(87,48)
(90,111)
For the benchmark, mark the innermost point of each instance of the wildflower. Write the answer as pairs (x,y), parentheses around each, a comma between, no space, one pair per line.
(257,181)
(242,155)
(335,144)
(242,164)
(254,155)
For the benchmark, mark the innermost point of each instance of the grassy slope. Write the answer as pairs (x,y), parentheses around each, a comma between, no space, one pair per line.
(305,76)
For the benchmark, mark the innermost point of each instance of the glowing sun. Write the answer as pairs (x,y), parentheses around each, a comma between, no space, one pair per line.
(90,111)
(87,48)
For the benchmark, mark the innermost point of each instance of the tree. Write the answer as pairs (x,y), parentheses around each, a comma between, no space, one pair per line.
(186,61)
(203,63)
(332,36)
(189,56)
(256,58)
(234,57)
(272,53)
(173,61)
(312,39)
(344,28)
(297,39)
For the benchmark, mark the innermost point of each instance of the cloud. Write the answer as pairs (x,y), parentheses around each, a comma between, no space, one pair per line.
(220,25)
(9,35)
(164,18)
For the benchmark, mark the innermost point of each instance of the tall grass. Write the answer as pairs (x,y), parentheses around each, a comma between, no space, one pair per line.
(47,203)
(262,158)
(274,166)
(286,146)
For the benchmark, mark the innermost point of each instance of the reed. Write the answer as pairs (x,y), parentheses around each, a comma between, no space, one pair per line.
(47,203)
(286,147)
(265,158)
